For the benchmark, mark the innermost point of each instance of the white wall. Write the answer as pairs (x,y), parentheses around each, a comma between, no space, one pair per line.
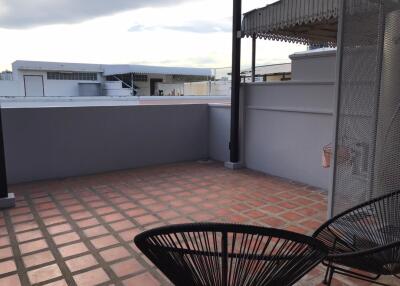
(213,88)
(9,88)
(114,88)
(145,86)
(315,65)
(171,89)
(54,88)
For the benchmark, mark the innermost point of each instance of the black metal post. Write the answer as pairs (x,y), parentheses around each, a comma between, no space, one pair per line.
(253,59)
(3,174)
(236,49)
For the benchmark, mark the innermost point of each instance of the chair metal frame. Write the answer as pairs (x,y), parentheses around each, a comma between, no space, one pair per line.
(230,254)
(363,258)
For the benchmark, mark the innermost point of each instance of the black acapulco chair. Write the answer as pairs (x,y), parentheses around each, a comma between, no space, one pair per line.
(226,254)
(366,238)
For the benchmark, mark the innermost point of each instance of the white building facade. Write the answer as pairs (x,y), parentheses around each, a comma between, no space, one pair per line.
(50,79)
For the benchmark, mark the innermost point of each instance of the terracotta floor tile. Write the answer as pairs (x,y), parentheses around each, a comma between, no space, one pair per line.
(127,267)
(45,206)
(44,273)
(3,231)
(127,206)
(288,205)
(7,266)
(188,209)
(29,235)
(168,214)
(25,226)
(87,222)
(95,231)
(136,212)
(73,249)
(114,253)
(291,216)
(273,222)
(146,219)
(33,246)
(38,259)
(74,208)
(157,207)
(58,283)
(92,277)
(202,217)
(60,228)
(66,238)
(81,215)
(105,210)
(122,225)
(12,280)
(104,241)
(20,210)
(307,211)
(113,217)
(147,202)
(254,214)
(49,213)
(22,218)
(82,262)
(69,202)
(128,235)
(312,224)
(6,252)
(54,220)
(145,279)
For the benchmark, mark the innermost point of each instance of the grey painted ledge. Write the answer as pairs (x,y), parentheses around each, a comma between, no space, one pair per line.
(8,202)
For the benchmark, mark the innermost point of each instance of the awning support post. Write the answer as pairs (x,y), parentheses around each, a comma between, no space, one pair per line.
(253,59)
(339,57)
(236,49)
(6,200)
(133,90)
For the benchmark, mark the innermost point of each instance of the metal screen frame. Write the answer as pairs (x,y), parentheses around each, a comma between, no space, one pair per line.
(366,90)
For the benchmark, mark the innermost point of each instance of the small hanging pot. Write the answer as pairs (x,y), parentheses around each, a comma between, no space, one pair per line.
(326,156)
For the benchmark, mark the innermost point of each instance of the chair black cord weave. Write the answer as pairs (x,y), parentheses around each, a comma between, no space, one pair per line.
(366,237)
(225,254)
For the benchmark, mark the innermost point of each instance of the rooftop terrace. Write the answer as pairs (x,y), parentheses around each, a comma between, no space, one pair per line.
(79,231)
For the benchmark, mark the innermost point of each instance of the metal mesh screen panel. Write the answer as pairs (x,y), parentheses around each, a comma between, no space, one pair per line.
(387,159)
(368,134)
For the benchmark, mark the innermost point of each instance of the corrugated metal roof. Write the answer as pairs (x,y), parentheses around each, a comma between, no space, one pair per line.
(109,69)
(124,69)
(56,66)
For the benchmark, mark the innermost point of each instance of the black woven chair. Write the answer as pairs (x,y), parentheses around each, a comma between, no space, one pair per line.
(225,254)
(366,238)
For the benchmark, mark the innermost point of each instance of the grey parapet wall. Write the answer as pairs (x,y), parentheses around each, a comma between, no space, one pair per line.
(286,127)
(48,143)
(219,131)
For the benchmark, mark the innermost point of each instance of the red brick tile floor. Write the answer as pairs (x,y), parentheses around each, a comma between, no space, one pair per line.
(79,231)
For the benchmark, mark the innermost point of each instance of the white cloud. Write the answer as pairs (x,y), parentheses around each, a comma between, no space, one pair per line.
(31,13)
(107,39)
(200,27)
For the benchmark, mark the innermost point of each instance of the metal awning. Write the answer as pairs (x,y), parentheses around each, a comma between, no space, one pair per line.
(297,21)
(141,69)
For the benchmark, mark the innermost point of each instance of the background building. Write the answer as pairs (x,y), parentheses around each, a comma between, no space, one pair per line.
(51,79)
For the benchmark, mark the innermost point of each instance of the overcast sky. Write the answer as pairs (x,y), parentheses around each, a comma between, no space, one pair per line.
(193,33)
